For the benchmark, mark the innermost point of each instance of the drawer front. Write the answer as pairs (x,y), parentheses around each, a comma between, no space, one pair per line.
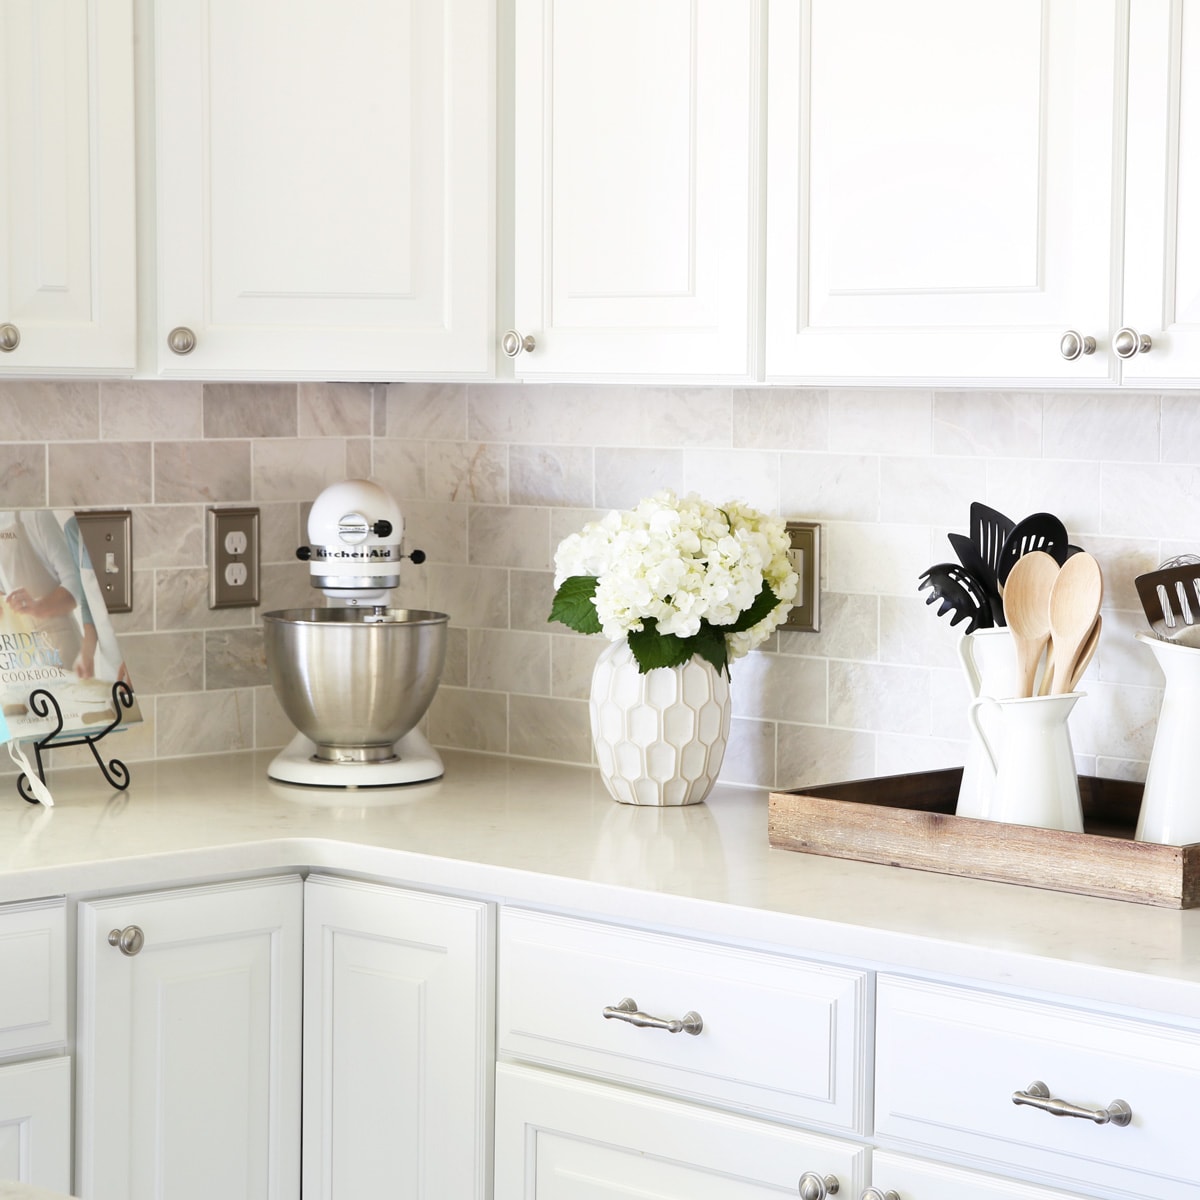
(949,1060)
(33,976)
(914,1179)
(561,1138)
(780,1036)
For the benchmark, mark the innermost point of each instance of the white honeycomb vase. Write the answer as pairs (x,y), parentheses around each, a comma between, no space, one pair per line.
(660,737)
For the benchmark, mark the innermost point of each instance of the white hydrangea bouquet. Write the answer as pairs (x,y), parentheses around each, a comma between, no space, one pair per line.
(677,577)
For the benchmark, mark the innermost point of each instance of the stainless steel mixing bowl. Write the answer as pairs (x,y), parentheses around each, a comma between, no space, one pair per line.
(355,680)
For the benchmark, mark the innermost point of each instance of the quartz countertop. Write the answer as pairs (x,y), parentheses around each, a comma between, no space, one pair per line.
(548,835)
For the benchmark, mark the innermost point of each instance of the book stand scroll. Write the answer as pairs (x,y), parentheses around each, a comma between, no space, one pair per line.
(43,704)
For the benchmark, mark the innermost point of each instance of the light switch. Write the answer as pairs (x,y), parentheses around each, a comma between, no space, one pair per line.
(109,541)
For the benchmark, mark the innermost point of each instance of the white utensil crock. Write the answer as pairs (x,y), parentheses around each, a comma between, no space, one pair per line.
(1029,748)
(989,659)
(1170,813)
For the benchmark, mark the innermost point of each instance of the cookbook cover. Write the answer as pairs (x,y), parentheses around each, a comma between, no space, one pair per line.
(54,629)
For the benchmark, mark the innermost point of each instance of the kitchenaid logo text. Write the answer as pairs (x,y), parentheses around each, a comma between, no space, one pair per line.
(367,553)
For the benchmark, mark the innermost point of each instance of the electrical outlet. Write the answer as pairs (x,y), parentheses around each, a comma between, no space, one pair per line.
(232,557)
(805,614)
(109,541)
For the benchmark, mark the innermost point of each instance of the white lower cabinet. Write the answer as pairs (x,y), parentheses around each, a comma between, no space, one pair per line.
(398,1041)
(35,1093)
(35,1124)
(561,1138)
(188,1045)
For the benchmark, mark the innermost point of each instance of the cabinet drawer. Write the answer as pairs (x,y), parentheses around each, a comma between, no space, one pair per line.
(949,1060)
(916,1179)
(33,976)
(780,1036)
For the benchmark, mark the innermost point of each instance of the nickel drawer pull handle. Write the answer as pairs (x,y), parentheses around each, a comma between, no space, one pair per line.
(1037,1095)
(627,1011)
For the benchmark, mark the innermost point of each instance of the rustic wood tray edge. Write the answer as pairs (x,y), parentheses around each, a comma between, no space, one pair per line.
(908,821)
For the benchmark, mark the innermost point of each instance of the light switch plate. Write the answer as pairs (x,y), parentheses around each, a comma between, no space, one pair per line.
(232,557)
(107,534)
(805,554)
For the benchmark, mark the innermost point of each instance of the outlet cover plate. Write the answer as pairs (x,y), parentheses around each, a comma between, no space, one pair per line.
(107,534)
(805,615)
(232,557)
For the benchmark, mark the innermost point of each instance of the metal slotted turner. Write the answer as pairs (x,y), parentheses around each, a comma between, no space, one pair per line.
(1171,602)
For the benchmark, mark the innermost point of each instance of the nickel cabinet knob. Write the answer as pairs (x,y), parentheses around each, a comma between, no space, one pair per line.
(128,940)
(873,1193)
(181,340)
(817,1187)
(512,343)
(1074,344)
(10,338)
(1128,342)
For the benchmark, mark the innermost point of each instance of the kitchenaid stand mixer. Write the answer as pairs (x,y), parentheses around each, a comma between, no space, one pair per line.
(355,677)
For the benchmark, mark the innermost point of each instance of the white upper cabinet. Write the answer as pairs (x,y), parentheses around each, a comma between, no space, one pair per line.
(940,199)
(1162,195)
(325,188)
(636,188)
(67,299)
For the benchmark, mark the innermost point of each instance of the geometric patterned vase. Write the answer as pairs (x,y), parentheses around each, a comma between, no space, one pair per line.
(660,738)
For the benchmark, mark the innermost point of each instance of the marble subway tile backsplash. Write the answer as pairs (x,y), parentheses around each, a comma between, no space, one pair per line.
(491,477)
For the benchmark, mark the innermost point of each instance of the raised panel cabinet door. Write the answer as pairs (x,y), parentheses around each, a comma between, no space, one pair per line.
(636,188)
(67,262)
(35,1124)
(940,198)
(188,1044)
(325,188)
(564,1138)
(398,1044)
(1162,194)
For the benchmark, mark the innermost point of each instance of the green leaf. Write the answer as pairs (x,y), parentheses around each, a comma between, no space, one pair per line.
(574,604)
(652,649)
(758,611)
(712,647)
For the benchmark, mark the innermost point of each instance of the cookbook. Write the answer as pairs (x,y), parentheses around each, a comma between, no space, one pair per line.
(55,633)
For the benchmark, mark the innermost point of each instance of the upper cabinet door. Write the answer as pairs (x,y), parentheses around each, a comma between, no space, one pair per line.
(636,187)
(939,189)
(67,300)
(325,188)
(1162,194)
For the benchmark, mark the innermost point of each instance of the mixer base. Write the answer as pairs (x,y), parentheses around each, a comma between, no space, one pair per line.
(416,761)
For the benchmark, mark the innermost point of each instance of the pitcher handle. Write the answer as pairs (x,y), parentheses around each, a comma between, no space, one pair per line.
(966,653)
(973,712)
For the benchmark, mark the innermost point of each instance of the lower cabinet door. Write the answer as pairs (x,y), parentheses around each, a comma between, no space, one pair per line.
(188,1046)
(564,1138)
(915,1179)
(398,1044)
(35,1124)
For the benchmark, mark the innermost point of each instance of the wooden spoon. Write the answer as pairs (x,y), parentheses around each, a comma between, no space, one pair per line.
(1027,611)
(1085,655)
(1074,606)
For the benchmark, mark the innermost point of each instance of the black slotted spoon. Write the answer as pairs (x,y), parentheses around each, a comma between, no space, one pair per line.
(1040,531)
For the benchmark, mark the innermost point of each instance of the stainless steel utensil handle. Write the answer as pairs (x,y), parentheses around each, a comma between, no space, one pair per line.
(1074,344)
(1037,1095)
(10,338)
(816,1187)
(512,343)
(627,1010)
(181,340)
(128,940)
(1128,342)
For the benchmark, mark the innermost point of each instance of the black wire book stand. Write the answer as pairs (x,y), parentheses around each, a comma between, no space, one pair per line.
(43,704)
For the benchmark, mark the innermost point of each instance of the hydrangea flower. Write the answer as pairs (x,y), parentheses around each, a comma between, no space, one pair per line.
(677,577)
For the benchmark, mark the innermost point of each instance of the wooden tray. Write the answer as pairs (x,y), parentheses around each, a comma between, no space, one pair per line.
(909,821)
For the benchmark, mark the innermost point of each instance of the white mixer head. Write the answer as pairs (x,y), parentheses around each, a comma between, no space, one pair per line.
(355,534)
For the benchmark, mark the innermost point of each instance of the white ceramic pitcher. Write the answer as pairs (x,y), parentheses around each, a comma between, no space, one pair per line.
(1170,812)
(1029,748)
(989,659)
